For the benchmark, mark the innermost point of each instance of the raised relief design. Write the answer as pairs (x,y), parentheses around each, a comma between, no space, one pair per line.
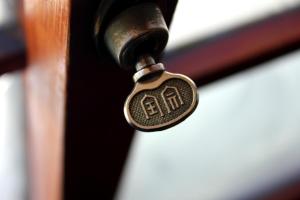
(150,106)
(161,105)
(171,98)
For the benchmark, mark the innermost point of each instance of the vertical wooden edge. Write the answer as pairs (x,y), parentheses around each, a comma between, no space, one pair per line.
(78,138)
(98,137)
(46,25)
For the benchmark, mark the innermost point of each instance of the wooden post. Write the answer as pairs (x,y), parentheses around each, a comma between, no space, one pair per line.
(77,135)
(47,32)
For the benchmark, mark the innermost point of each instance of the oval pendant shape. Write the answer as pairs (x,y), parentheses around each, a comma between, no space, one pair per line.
(162,103)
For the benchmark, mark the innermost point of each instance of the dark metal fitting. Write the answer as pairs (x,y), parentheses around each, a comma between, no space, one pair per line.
(135,32)
(144,61)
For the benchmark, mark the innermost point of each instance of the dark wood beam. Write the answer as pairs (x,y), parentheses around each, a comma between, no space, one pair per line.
(12,49)
(97,136)
(217,56)
(243,47)
(78,137)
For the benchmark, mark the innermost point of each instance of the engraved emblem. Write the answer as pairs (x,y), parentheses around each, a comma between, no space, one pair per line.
(161,104)
(150,106)
(171,98)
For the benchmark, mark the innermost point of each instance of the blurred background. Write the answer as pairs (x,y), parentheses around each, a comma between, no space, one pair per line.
(242,142)
(12,118)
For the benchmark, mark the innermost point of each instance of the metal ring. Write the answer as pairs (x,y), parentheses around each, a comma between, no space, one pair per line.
(143,73)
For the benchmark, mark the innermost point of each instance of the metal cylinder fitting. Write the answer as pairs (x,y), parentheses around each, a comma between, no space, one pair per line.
(136,31)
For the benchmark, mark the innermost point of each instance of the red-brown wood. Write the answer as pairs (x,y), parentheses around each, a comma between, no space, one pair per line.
(47,33)
(78,137)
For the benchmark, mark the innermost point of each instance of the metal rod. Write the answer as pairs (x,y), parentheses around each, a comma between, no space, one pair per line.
(144,61)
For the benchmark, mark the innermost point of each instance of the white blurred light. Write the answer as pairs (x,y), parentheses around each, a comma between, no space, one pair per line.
(4,85)
(3,12)
(243,139)
(194,20)
(12,165)
(243,127)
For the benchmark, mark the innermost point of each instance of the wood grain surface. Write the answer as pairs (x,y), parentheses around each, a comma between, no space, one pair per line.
(47,33)
(77,134)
